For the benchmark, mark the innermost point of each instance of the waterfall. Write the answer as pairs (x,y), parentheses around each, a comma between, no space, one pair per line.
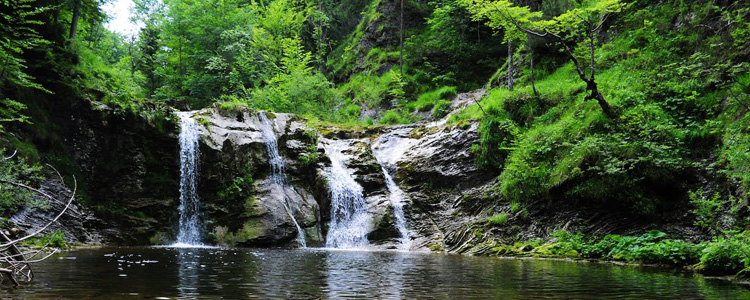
(387,150)
(278,176)
(189,231)
(349,217)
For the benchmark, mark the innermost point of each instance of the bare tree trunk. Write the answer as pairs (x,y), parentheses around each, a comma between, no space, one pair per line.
(74,21)
(510,65)
(401,63)
(593,88)
(533,81)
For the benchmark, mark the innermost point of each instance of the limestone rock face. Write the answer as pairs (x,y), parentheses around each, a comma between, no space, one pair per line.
(132,178)
(434,168)
(243,205)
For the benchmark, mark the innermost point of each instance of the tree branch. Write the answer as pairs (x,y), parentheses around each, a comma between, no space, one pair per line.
(70,201)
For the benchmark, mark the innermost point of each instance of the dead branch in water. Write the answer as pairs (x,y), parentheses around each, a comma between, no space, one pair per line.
(16,265)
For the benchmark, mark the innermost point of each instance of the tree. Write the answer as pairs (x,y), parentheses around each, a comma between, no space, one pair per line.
(17,18)
(580,24)
(83,8)
(401,43)
(566,28)
(148,45)
(500,15)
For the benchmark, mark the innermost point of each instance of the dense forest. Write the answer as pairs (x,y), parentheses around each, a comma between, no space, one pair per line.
(639,107)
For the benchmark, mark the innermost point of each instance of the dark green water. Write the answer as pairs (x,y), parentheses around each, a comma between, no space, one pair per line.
(167,273)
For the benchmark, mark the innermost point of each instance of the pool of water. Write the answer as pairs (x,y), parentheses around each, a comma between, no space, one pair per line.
(185,273)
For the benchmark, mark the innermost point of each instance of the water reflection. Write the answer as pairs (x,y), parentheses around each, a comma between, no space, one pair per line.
(188,264)
(173,273)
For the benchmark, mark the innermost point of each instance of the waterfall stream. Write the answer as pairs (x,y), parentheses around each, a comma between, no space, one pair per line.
(189,226)
(387,150)
(349,215)
(278,176)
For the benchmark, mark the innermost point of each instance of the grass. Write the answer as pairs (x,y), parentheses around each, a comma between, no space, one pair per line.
(427,101)
(498,219)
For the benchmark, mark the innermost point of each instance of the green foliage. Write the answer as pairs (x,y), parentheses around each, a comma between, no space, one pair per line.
(441,109)
(497,136)
(392,117)
(726,255)
(311,157)
(240,187)
(20,20)
(365,90)
(498,219)
(706,209)
(652,247)
(17,169)
(427,101)
(55,239)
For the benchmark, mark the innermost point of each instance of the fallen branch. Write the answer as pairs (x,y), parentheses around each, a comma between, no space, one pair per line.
(15,264)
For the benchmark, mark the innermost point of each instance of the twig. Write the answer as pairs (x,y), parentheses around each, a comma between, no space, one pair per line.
(12,155)
(70,201)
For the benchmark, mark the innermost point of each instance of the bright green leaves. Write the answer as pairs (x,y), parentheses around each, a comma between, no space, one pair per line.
(504,15)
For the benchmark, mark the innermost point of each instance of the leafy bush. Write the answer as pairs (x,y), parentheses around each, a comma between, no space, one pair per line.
(311,157)
(523,108)
(725,255)
(240,187)
(706,209)
(652,247)
(441,109)
(497,137)
(428,100)
(16,169)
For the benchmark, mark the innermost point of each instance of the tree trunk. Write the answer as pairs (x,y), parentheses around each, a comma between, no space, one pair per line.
(401,62)
(533,83)
(74,21)
(593,88)
(510,65)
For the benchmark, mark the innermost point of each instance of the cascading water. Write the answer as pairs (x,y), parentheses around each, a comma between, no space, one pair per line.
(387,149)
(189,231)
(278,176)
(349,217)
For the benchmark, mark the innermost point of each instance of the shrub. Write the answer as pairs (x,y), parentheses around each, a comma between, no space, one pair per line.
(240,187)
(392,117)
(497,136)
(706,209)
(441,109)
(18,170)
(725,255)
(310,158)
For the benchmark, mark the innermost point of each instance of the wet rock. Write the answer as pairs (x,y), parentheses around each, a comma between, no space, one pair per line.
(120,158)
(239,199)
(78,224)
